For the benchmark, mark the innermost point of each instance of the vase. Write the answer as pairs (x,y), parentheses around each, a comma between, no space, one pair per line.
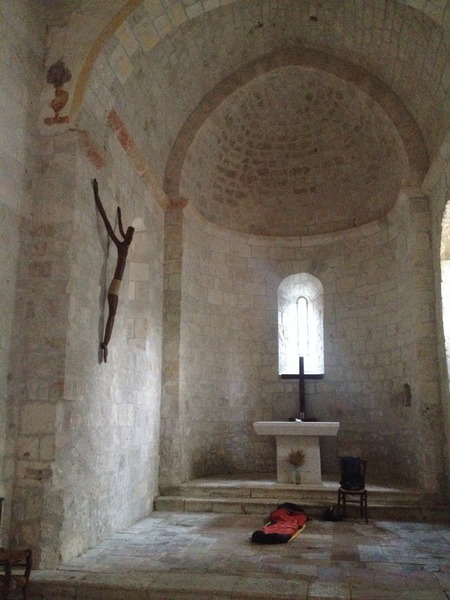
(297,477)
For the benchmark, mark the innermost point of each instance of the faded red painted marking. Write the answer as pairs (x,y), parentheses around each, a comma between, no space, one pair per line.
(124,137)
(93,153)
(126,141)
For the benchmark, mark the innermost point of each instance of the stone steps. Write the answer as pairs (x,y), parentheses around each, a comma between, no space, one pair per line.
(253,496)
(380,511)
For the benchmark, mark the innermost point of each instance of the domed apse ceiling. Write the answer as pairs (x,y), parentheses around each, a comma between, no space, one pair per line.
(294,152)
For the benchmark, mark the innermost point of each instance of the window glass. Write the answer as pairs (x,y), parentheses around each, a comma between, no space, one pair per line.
(300,324)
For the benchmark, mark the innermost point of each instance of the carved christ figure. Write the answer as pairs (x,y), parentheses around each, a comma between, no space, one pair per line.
(122,252)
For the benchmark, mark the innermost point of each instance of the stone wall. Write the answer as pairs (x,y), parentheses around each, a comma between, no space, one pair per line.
(79,438)
(87,433)
(21,70)
(228,356)
(108,420)
(437,185)
(82,452)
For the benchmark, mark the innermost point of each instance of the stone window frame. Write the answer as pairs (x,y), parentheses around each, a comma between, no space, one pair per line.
(290,290)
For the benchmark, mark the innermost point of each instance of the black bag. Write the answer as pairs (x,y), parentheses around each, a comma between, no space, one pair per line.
(351,473)
(331,514)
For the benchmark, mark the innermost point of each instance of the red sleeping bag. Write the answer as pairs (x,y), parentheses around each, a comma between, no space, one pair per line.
(285,522)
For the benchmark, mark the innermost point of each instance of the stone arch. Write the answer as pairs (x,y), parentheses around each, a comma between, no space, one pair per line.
(90,46)
(94,50)
(406,127)
(165,20)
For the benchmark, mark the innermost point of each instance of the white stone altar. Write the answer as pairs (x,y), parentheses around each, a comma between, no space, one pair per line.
(298,435)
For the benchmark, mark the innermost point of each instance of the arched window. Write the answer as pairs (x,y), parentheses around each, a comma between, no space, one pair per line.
(445,281)
(300,324)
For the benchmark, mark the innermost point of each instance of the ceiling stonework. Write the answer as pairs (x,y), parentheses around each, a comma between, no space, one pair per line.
(295,151)
(176,73)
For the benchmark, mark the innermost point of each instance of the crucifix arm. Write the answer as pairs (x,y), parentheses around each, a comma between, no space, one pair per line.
(301,376)
(102,212)
(119,219)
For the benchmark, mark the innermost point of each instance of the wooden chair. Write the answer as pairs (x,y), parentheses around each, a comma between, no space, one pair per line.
(15,569)
(352,488)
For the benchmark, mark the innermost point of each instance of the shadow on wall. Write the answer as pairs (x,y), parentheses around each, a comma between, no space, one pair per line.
(212,462)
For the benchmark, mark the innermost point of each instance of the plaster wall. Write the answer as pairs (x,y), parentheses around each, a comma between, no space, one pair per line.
(228,356)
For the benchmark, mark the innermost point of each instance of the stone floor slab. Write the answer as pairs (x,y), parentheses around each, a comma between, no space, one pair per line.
(182,556)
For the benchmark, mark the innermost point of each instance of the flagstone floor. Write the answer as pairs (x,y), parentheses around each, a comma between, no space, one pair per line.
(170,556)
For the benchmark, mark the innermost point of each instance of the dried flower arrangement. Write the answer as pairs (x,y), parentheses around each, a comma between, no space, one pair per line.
(296,458)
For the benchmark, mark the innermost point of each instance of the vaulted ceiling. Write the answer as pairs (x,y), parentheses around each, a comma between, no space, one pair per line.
(303,141)
(328,133)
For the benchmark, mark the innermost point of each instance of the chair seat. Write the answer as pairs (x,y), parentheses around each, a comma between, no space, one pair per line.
(13,557)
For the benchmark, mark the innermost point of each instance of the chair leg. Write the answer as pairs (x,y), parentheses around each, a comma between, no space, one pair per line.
(341,507)
(365,506)
(342,504)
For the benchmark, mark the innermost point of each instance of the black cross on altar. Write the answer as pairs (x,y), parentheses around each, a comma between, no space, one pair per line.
(301,384)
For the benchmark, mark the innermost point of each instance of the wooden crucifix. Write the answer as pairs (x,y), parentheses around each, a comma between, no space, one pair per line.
(301,376)
(122,246)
